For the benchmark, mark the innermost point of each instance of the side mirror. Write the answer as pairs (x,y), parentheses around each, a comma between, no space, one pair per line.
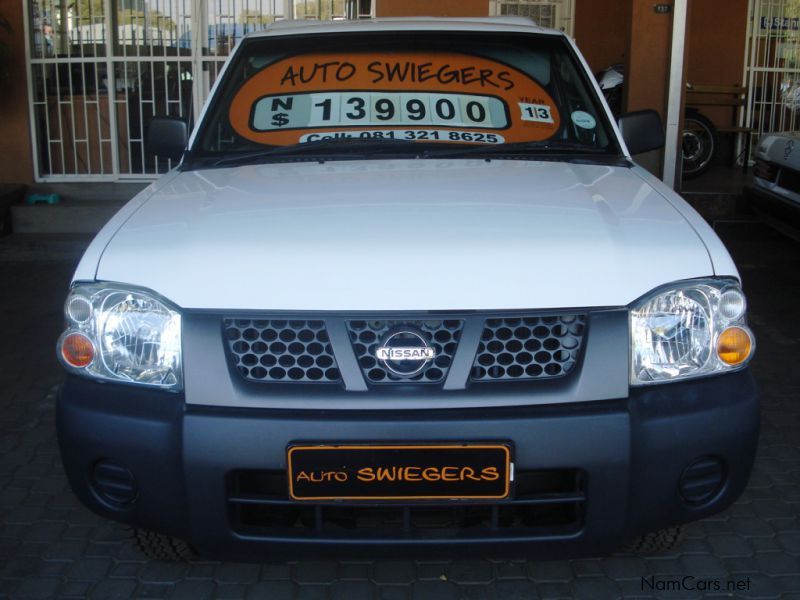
(167,137)
(642,131)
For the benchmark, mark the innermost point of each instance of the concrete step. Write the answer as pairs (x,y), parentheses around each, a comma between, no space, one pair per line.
(718,205)
(101,192)
(84,208)
(77,217)
(28,247)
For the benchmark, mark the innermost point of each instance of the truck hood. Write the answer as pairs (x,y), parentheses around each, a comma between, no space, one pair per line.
(405,235)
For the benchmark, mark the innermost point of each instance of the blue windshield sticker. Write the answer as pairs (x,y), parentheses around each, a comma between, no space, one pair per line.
(583,120)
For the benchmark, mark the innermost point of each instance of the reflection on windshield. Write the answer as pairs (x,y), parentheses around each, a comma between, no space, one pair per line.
(494,95)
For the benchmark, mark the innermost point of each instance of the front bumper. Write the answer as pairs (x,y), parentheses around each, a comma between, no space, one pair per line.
(630,455)
(775,202)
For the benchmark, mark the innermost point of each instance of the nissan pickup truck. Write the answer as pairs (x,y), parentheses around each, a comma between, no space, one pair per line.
(406,291)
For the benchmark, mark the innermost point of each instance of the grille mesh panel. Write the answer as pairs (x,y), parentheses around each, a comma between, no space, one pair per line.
(442,335)
(282,350)
(529,347)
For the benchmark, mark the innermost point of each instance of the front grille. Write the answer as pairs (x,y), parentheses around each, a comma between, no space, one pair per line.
(528,347)
(546,502)
(295,351)
(299,349)
(442,335)
(765,170)
(789,180)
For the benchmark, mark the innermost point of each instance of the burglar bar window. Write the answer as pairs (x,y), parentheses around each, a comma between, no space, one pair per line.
(556,14)
(101,69)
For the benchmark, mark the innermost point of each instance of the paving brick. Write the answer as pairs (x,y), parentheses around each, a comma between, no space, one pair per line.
(587,568)
(351,570)
(316,571)
(230,591)
(470,571)
(274,590)
(75,589)
(353,590)
(102,549)
(764,544)
(393,571)
(772,508)
(553,591)
(474,591)
(65,550)
(313,592)
(434,590)
(93,569)
(53,568)
(741,564)
(729,545)
(695,547)
(162,572)
(394,592)
(752,527)
(23,514)
(550,571)
(38,587)
(8,549)
(623,567)
(201,571)
(777,563)
(595,588)
(703,565)
(789,542)
(153,590)
(785,524)
(8,587)
(20,567)
(113,589)
(237,573)
(193,590)
(126,569)
(515,590)
(276,571)
(44,532)
(32,548)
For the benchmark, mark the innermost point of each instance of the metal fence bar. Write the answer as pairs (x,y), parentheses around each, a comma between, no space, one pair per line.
(111,87)
(26,21)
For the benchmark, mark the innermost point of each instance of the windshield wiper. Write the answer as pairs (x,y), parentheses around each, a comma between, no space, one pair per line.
(348,144)
(516,148)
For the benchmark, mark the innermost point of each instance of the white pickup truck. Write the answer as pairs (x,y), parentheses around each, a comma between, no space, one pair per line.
(406,290)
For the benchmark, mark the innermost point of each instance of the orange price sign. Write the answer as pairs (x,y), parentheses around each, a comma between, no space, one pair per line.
(448,97)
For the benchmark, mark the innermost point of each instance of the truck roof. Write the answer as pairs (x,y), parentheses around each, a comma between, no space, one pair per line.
(503,24)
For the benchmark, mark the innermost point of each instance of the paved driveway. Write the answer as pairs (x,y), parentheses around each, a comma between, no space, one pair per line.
(52,547)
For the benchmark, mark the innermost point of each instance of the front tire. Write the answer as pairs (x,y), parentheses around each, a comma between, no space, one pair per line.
(158,546)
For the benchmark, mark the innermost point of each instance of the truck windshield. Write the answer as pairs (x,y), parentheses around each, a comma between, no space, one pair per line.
(403,94)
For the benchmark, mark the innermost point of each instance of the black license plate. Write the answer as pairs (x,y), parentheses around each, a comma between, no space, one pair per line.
(399,472)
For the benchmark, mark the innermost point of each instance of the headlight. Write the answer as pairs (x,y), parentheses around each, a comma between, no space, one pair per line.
(691,329)
(121,334)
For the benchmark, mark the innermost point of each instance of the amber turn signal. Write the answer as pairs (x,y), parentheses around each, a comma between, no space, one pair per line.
(734,346)
(77,350)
